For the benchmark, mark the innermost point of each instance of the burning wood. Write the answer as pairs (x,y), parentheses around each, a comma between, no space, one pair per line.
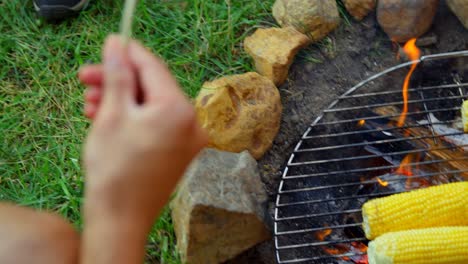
(411,157)
(358,152)
(453,155)
(449,134)
(438,152)
(443,153)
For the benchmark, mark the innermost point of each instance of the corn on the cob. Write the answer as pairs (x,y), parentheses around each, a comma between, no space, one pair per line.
(421,246)
(464,114)
(443,205)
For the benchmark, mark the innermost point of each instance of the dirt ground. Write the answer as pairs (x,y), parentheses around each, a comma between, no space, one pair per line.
(355,52)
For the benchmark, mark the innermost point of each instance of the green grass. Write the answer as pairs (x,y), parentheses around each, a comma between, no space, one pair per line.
(41,122)
(345,16)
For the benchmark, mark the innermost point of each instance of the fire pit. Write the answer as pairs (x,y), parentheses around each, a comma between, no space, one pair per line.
(362,147)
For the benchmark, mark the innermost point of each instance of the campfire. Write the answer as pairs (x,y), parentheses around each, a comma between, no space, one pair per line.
(397,131)
(394,132)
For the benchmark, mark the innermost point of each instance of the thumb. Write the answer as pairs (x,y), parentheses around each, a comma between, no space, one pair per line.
(119,77)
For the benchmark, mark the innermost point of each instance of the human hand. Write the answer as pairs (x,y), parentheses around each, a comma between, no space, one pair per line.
(135,153)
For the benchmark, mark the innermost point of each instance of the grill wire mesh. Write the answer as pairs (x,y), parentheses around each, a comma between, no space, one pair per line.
(354,144)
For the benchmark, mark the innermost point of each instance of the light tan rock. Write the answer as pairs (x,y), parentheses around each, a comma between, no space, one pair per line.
(406,19)
(219,208)
(273,50)
(460,9)
(240,112)
(315,18)
(359,8)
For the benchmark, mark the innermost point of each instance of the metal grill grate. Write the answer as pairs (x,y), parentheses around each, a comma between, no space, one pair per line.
(354,145)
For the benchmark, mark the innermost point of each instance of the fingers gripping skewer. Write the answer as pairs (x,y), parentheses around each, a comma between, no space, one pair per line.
(127,19)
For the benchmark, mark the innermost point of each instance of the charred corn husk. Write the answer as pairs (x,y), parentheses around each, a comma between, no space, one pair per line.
(421,246)
(464,114)
(443,205)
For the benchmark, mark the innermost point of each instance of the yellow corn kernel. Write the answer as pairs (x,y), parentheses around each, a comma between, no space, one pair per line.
(443,205)
(421,246)
(464,114)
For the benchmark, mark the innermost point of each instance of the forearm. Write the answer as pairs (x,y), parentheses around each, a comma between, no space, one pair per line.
(118,221)
(111,242)
(30,236)
(111,236)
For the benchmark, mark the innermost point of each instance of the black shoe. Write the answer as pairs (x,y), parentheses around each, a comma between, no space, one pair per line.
(59,9)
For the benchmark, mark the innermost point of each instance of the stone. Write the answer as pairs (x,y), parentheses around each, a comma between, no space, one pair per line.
(403,20)
(219,208)
(273,50)
(460,9)
(359,8)
(240,112)
(315,18)
(427,40)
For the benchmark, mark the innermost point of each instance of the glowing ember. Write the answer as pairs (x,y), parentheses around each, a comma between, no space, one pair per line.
(362,248)
(321,235)
(382,182)
(357,248)
(362,260)
(361,122)
(413,53)
(336,251)
(357,252)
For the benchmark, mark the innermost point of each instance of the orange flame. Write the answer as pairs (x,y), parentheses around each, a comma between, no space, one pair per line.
(382,182)
(361,122)
(321,235)
(405,168)
(413,53)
